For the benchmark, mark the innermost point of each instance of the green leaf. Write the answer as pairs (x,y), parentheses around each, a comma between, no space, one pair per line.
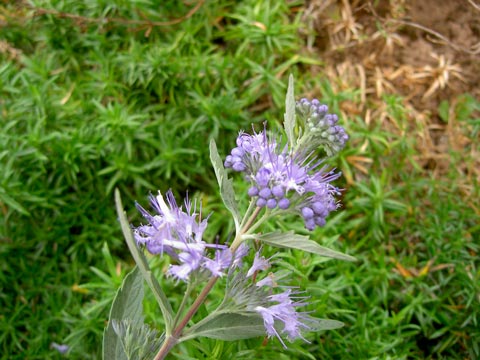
(11,202)
(326,324)
(231,326)
(127,305)
(289,117)
(443,110)
(291,240)
(228,326)
(138,342)
(226,185)
(466,105)
(143,266)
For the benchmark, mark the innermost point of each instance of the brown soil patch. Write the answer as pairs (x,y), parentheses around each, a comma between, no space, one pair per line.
(426,51)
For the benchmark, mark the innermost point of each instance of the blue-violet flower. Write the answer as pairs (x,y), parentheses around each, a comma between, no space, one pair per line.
(291,178)
(284,310)
(179,233)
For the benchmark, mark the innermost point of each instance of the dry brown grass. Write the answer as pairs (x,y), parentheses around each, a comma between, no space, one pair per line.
(379,50)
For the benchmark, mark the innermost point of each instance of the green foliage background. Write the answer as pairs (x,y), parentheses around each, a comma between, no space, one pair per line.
(88,105)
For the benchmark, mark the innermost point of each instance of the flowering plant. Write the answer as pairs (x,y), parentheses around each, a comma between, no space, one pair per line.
(285,178)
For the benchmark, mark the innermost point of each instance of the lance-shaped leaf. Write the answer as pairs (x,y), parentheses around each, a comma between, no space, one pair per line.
(127,305)
(291,240)
(231,326)
(143,266)
(326,324)
(228,326)
(289,117)
(226,186)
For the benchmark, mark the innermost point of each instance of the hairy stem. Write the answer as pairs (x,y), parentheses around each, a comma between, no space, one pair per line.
(251,206)
(188,291)
(254,226)
(171,340)
(238,239)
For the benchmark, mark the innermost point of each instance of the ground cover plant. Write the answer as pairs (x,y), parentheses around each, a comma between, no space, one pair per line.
(97,95)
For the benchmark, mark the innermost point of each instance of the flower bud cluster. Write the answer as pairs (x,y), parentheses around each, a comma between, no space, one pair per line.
(314,214)
(320,128)
(255,156)
(281,179)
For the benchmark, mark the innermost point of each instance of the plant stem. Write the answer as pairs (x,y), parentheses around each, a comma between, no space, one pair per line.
(254,226)
(188,291)
(251,206)
(238,239)
(171,340)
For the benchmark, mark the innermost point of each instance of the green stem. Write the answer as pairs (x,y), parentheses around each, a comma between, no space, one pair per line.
(171,340)
(254,226)
(186,296)
(251,206)
(238,239)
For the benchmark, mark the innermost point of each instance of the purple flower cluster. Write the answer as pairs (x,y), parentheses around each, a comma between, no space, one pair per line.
(320,128)
(179,233)
(284,179)
(276,309)
(284,310)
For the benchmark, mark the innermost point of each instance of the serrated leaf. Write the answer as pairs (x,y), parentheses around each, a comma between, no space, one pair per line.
(289,117)
(291,240)
(143,266)
(127,305)
(226,186)
(228,327)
